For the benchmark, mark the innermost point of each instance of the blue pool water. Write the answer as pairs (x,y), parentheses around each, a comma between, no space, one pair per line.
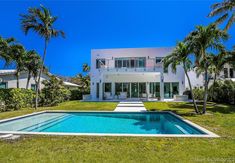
(101,122)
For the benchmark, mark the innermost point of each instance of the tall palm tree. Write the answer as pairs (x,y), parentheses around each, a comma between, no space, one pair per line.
(5,49)
(18,55)
(85,67)
(33,64)
(179,56)
(42,22)
(226,10)
(202,40)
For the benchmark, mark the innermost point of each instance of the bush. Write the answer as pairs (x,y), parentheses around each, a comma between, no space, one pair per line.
(16,98)
(188,93)
(54,92)
(222,91)
(198,93)
(76,94)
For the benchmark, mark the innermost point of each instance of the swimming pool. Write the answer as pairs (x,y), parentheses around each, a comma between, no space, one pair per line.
(104,124)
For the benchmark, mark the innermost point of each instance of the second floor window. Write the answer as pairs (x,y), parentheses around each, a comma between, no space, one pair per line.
(137,62)
(100,63)
(159,60)
(225,73)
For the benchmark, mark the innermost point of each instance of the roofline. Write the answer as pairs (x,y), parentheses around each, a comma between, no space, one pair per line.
(165,47)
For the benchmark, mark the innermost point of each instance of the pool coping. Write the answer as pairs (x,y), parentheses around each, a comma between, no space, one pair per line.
(208,134)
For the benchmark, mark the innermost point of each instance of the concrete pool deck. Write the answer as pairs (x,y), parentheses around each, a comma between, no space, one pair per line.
(130,106)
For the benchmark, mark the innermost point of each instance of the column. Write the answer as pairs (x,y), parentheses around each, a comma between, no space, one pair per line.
(161,87)
(113,89)
(147,90)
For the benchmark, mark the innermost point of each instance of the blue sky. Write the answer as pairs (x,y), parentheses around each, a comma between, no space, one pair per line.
(106,24)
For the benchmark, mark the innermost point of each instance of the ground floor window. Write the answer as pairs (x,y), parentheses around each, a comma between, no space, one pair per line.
(122,87)
(97,90)
(3,85)
(107,87)
(33,87)
(154,89)
(171,89)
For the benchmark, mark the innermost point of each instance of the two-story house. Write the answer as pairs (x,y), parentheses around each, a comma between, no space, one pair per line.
(134,73)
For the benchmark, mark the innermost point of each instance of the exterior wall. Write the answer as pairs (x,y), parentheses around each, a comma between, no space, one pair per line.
(147,74)
(11,81)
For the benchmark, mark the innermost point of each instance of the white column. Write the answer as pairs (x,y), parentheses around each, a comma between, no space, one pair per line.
(113,89)
(161,87)
(147,90)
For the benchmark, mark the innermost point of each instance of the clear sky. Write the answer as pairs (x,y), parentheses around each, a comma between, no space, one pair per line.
(106,24)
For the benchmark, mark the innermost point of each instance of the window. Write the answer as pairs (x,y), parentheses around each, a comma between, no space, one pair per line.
(165,69)
(97,90)
(154,89)
(171,89)
(107,87)
(100,63)
(118,88)
(33,87)
(130,62)
(225,73)
(159,60)
(231,72)
(3,85)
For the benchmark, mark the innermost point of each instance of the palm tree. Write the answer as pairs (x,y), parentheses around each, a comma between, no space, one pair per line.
(226,10)
(5,49)
(18,55)
(202,40)
(40,21)
(32,64)
(180,57)
(85,67)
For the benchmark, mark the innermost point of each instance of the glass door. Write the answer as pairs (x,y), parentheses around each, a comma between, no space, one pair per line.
(134,90)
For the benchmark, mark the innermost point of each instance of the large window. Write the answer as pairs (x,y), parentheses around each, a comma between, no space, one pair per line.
(225,73)
(231,72)
(107,87)
(154,89)
(159,60)
(100,63)
(137,62)
(171,89)
(3,85)
(33,87)
(97,90)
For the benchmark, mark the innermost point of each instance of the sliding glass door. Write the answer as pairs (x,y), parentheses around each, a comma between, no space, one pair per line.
(171,89)
(134,90)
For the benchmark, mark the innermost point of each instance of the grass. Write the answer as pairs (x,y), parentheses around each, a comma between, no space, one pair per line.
(220,119)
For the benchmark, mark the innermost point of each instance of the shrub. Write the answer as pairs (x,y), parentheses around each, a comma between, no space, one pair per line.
(54,92)
(16,98)
(76,94)
(188,93)
(222,91)
(198,93)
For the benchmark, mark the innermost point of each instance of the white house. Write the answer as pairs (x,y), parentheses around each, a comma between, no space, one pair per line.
(8,80)
(133,73)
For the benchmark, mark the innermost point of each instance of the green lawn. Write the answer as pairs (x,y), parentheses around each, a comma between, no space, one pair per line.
(220,119)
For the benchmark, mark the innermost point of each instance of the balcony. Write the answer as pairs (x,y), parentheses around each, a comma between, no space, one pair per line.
(156,68)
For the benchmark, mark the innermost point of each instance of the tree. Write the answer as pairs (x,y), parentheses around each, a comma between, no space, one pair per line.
(226,10)
(42,22)
(18,55)
(179,56)
(85,67)
(32,65)
(203,40)
(5,49)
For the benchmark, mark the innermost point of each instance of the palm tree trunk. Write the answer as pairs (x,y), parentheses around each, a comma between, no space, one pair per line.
(28,79)
(205,89)
(40,72)
(191,90)
(17,80)
(213,86)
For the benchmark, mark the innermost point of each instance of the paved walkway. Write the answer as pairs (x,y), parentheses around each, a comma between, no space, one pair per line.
(129,106)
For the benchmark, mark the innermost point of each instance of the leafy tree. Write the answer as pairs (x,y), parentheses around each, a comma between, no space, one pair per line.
(180,57)
(5,49)
(225,10)
(202,41)
(85,67)
(42,22)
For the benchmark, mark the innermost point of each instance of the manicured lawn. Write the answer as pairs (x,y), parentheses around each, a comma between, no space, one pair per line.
(220,119)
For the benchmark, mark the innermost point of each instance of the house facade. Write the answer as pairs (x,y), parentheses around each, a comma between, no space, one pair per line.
(133,73)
